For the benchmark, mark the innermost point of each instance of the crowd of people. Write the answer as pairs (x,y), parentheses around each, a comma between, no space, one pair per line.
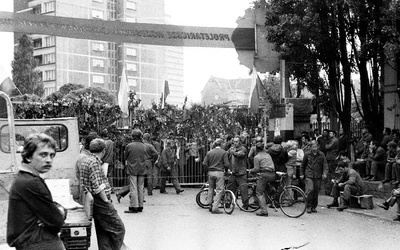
(315,161)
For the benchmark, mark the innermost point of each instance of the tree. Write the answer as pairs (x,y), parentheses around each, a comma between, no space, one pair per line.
(25,77)
(334,38)
(91,94)
(63,91)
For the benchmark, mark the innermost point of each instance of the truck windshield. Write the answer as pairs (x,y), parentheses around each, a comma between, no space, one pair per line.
(58,132)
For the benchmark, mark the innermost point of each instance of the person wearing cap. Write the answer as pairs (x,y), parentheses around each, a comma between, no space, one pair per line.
(313,169)
(264,165)
(110,229)
(216,162)
(34,219)
(151,156)
(135,166)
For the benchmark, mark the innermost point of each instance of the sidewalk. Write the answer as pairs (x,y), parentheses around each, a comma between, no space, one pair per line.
(376,212)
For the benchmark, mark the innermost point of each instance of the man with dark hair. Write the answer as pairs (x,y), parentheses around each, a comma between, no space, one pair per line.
(217,163)
(313,168)
(279,154)
(85,153)
(350,183)
(390,167)
(135,166)
(238,159)
(332,153)
(110,229)
(108,157)
(169,168)
(151,157)
(323,140)
(264,165)
(387,137)
(377,163)
(34,219)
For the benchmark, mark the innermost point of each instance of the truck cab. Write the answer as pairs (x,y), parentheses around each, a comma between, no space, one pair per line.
(12,135)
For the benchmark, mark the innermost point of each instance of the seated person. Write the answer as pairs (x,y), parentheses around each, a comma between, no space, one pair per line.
(350,183)
(396,168)
(390,162)
(378,161)
(395,197)
(361,161)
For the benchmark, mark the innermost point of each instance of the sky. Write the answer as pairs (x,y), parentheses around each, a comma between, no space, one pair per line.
(199,63)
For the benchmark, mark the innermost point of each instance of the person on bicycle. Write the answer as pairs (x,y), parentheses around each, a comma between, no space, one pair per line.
(216,162)
(264,165)
(313,168)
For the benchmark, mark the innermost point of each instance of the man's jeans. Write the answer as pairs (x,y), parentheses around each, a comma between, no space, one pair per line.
(136,188)
(235,181)
(215,181)
(110,229)
(263,185)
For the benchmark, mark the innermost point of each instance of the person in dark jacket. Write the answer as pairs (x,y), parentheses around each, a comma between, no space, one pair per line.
(350,183)
(217,163)
(238,158)
(34,219)
(378,160)
(279,154)
(151,156)
(169,168)
(135,166)
(313,169)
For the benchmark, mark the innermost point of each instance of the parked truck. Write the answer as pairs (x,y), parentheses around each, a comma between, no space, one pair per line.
(76,232)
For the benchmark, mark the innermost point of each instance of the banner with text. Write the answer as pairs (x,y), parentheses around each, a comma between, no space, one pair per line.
(123,32)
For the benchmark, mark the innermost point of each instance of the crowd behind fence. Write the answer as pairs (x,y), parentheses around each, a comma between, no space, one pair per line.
(191,171)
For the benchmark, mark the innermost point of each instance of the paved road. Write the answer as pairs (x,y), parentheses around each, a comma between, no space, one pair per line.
(171,221)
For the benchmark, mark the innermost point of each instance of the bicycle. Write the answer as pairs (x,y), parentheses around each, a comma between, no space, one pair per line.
(228,200)
(292,200)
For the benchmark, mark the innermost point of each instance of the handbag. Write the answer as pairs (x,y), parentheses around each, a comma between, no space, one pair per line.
(88,203)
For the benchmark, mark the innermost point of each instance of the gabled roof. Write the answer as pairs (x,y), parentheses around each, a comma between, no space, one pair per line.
(230,84)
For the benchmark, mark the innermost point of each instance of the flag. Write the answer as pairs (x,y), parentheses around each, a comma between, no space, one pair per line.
(123,93)
(256,92)
(6,84)
(165,94)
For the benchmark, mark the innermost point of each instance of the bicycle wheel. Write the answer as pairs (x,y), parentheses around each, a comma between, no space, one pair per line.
(202,198)
(228,201)
(292,201)
(253,204)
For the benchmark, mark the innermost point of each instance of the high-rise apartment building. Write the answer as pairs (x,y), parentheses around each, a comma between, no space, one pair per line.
(95,63)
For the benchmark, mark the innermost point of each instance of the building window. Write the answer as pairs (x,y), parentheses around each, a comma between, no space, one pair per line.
(98,79)
(131,67)
(131,5)
(49,58)
(49,75)
(49,41)
(48,7)
(132,82)
(97,14)
(98,63)
(130,20)
(98,46)
(131,52)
